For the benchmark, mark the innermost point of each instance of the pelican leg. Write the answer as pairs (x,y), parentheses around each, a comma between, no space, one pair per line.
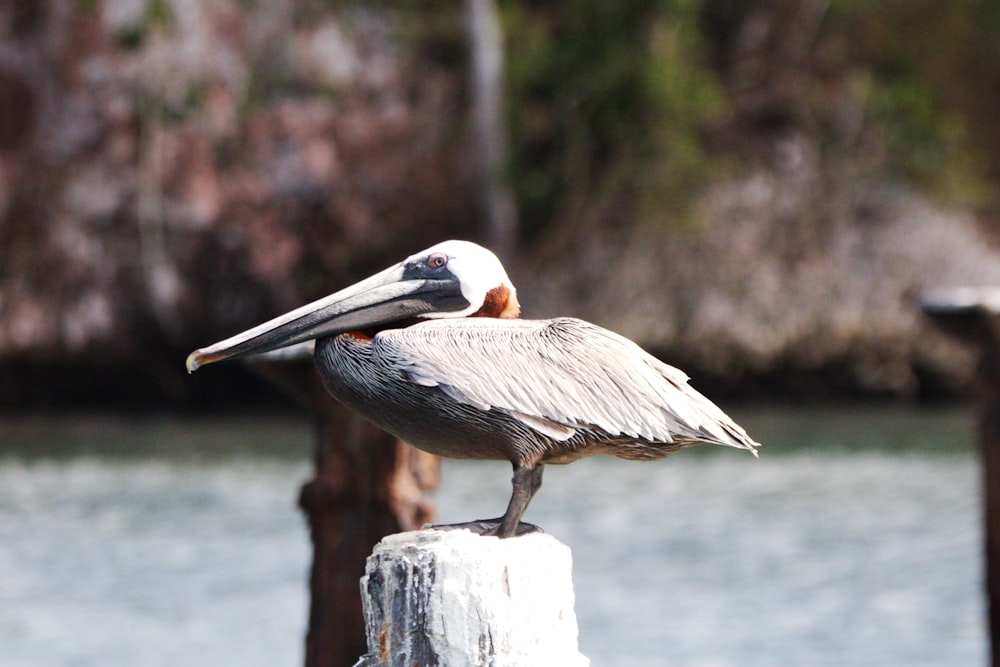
(526,482)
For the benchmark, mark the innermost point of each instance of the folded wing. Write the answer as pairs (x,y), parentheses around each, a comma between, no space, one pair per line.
(557,376)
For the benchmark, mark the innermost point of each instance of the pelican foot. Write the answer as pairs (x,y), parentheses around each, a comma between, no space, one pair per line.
(486,527)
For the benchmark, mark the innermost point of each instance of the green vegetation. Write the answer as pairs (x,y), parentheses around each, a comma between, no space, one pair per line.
(158,17)
(606,103)
(935,71)
(619,111)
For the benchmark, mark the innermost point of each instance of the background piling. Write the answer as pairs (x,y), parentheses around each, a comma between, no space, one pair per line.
(973,316)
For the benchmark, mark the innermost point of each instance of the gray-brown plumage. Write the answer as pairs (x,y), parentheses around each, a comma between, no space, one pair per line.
(430,351)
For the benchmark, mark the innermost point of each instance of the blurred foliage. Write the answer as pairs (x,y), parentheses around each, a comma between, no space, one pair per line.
(619,111)
(935,69)
(158,16)
(606,101)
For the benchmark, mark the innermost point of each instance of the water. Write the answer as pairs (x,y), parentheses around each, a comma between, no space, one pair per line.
(853,542)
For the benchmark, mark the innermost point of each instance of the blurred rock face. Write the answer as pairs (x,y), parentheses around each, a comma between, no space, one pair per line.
(171,170)
(824,308)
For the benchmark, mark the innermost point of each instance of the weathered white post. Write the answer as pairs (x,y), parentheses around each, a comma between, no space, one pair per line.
(456,599)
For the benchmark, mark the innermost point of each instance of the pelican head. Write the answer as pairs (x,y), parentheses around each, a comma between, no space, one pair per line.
(450,279)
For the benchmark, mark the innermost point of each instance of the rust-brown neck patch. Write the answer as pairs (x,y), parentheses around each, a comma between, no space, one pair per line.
(499,302)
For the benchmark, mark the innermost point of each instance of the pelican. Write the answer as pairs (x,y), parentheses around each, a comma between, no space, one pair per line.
(432,351)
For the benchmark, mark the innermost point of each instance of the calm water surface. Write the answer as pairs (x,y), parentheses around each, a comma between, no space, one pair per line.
(853,541)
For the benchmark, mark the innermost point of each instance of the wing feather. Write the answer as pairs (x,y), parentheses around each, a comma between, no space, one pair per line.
(558,375)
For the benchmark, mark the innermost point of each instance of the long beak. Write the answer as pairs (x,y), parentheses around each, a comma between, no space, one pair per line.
(386,297)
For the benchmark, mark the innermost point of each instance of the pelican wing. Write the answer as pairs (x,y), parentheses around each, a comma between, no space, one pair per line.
(556,376)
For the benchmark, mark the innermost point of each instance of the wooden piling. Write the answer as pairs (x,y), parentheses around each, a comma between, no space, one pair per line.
(456,599)
(367,484)
(973,316)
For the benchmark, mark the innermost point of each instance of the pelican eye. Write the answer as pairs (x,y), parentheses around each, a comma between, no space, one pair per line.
(437,260)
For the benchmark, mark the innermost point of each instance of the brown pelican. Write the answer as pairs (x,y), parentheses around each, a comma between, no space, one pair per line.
(431,350)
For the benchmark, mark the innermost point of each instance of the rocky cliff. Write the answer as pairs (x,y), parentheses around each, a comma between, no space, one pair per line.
(172,171)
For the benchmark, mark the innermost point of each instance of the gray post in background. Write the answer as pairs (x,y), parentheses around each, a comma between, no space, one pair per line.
(485,35)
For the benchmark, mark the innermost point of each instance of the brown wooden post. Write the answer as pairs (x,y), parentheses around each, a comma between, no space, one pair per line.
(988,381)
(973,316)
(368,484)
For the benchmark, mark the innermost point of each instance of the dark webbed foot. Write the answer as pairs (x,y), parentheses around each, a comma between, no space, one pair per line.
(488,527)
(526,482)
